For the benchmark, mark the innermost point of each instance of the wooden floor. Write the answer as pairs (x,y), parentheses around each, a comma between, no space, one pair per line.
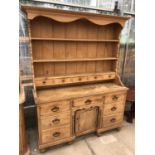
(110,143)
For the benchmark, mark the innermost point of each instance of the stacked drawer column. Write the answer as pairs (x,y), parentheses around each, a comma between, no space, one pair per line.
(54,123)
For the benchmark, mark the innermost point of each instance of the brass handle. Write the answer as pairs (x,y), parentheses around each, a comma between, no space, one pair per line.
(56,121)
(115,97)
(87,102)
(113,120)
(109,76)
(56,134)
(113,108)
(55,109)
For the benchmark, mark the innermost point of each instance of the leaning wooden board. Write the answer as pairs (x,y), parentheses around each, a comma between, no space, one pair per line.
(23,146)
(76,86)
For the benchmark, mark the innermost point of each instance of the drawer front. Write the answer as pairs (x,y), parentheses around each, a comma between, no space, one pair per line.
(95,77)
(54,108)
(61,80)
(55,134)
(79,79)
(109,76)
(43,82)
(110,109)
(112,120)
(55,121)
(101,77)
(84,101)
(115,97)
(56,81)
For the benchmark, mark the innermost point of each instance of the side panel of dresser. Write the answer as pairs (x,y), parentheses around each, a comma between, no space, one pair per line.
(61,121)
(54,123)
(113,111)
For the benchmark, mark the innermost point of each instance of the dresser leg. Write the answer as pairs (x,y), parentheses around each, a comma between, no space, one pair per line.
(71,142)
(118,129)
(99,134)
(42,150)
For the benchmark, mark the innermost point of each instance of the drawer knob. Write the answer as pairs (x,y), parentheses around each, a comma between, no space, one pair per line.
(63,80)
(113,108)
(56,121)
(56,134)
(80,79)
(55,109)
(113,120)
(87,102)
(95,77)
(44,82)
(109,76)
(115,97)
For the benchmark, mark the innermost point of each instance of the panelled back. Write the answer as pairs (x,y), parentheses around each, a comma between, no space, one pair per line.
(73,48)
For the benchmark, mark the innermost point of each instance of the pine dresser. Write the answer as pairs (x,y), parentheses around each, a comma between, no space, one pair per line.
(77,88)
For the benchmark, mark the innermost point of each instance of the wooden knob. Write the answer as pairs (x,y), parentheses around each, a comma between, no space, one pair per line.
(109,76)
(63,80)
(44,82)
(95,77)
(56,134)
(80,79)
(55,109)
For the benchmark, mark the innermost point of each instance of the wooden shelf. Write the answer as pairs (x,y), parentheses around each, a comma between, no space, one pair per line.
(71,60)
(66,39)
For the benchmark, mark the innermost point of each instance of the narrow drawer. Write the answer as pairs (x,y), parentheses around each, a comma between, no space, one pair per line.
(113,108)
(95,77)
(61,81)
(55,121)
(79,79)
(112,120)
(109,76)
(43,82)
(56,134)
(54,108)
(87,101)
(115,97)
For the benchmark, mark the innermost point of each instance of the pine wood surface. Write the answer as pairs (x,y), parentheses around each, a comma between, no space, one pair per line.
(74,62)
(75,91)
(75,45)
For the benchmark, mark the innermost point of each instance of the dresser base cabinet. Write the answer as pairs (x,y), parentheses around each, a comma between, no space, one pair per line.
(93,108)
(75,57)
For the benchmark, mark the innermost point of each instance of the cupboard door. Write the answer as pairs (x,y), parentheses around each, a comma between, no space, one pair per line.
(86,120)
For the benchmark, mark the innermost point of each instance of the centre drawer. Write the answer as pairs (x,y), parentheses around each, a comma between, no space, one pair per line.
(55,120)
(56,134)
(54,108)
(115,97)
(84,101)
(112,120)
(113,108)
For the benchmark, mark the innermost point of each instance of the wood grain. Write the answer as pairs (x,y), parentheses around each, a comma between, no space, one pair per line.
(77,89)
